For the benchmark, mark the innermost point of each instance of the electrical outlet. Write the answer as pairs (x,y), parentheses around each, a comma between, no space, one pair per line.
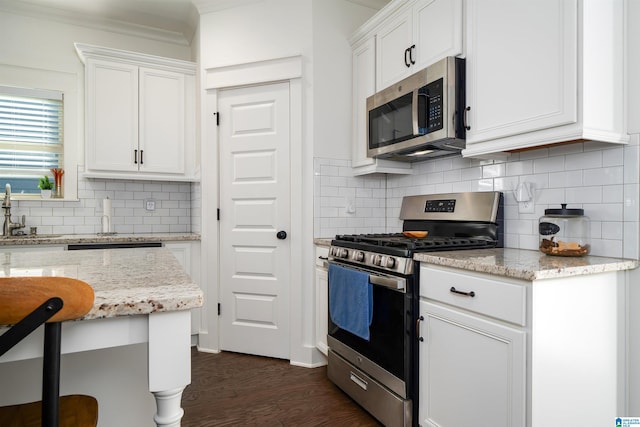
(526,207)
(150,205)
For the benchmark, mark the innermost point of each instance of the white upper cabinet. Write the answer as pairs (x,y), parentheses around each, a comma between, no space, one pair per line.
(394,50)
(140,116)
(416,36)
(162,118)
(404,37)
(544,72)
(437,31)
(111,115)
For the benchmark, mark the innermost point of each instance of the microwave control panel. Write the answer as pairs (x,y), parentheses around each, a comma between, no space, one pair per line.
(432,97)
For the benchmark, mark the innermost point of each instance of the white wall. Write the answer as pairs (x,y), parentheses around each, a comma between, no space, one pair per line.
(255,32)
(334,21)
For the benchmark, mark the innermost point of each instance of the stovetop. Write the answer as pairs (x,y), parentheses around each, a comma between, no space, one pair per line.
(394,252)
(400,245)
(451,221)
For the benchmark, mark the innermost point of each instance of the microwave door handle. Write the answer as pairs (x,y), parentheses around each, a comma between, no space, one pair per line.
(421,113)
(415,113)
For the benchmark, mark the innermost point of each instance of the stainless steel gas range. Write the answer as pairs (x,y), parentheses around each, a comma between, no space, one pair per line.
(373,297)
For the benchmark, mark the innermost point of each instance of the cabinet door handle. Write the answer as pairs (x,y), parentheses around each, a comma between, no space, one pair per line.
(141,158)
(411,54)
(465,293)
(406,60)
(135,157)
(464,120)
(418,321)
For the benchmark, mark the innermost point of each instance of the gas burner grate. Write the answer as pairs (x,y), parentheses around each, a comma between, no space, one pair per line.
(429,243)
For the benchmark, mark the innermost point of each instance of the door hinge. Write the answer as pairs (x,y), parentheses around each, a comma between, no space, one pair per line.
(217,118)
(218,213)
(218,309)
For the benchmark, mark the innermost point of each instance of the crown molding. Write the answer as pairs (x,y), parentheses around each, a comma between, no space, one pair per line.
(91,51)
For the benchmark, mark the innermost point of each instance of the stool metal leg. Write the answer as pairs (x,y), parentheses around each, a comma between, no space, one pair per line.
(51,375)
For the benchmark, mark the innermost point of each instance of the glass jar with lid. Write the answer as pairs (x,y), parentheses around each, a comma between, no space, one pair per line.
(564,232)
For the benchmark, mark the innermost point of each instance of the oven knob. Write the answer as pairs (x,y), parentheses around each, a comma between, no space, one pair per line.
(342,253)
(391,262)
(377,260)
(358,256)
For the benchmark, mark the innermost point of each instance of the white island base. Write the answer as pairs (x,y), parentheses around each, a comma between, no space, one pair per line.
(117,360)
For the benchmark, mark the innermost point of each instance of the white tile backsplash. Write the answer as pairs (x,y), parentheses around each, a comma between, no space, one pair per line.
(177,208)
(600,178)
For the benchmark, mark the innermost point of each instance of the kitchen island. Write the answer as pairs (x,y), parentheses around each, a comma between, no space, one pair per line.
(142,295)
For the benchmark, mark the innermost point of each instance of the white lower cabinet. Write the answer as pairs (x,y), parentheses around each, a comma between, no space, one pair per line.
(473,350)
(472,370)
(322,299)
(498,351)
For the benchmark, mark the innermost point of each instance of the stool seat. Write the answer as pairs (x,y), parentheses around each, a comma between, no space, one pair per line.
(26,303)
(76,410)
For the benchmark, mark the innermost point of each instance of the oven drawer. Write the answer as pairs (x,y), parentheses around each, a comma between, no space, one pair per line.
(380,402)
(505,300)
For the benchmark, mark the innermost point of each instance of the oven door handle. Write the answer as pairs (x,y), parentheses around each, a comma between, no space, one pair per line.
(391,282)
(396,283)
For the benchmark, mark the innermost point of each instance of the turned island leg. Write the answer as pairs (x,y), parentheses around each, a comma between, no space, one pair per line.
(169,363)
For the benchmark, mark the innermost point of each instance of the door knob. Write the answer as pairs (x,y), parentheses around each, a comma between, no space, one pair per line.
(281,235)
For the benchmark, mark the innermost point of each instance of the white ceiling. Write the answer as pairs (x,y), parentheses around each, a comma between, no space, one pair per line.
(178,18)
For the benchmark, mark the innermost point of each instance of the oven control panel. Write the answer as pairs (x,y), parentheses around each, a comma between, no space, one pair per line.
(440,206)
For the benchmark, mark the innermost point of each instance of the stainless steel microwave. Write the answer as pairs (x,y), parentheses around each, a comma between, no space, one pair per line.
(421,116)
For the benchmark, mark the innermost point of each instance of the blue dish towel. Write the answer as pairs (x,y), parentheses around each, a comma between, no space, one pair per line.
(350,300)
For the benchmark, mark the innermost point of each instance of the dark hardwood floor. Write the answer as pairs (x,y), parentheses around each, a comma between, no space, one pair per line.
(230,389)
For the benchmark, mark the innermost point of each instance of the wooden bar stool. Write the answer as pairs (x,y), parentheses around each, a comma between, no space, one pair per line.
(26,303)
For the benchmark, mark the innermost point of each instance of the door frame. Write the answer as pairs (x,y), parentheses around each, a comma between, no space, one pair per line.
(289,69)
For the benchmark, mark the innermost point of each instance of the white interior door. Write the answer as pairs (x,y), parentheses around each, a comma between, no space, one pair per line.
(255,206)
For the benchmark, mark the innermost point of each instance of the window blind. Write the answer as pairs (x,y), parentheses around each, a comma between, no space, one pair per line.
(31,135)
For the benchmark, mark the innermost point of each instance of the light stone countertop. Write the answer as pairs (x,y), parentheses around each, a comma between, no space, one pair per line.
(524,264)
(66,239)
(322,241)
(125,281)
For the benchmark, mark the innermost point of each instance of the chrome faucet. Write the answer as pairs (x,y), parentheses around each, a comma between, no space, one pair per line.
(8,227)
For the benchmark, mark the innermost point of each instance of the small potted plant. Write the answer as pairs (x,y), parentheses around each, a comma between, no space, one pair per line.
(45,187)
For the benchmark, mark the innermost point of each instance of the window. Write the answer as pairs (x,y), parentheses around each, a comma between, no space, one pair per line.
(31,136)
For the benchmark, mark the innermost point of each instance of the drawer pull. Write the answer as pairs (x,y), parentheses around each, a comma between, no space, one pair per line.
(467,294)
(359,381)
